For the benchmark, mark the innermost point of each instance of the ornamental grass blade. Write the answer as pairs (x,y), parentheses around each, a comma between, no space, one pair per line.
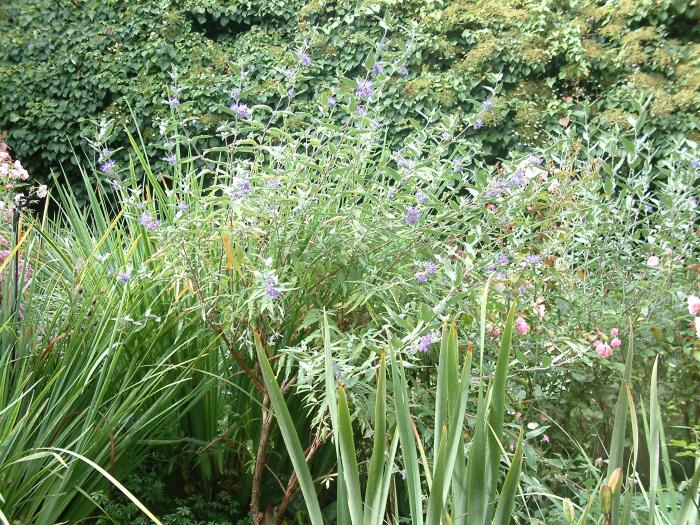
(476,467)
(386,482)
(442,392)
(373,494)
(436,500)
(497,406)
(506,499)
(459,393)
(654,415)
(617,441)
(289,434)
(349,457)
(342,512)
(407,441)
(689,512)
(111,479)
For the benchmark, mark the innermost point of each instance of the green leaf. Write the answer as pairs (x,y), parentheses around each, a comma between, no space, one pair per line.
(373,494)
(506,499)
(349,456)
(289,434)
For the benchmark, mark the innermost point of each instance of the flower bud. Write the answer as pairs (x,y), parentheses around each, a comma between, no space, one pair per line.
(606,499)
(615,480)
(569,513)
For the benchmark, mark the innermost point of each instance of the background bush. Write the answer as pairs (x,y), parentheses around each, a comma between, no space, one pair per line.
(66,64)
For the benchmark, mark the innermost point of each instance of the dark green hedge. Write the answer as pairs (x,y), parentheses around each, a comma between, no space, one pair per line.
(65,64)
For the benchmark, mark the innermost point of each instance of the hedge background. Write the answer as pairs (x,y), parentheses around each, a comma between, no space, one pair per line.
(65,64)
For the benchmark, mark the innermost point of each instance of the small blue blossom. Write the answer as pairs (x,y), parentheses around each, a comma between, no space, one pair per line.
(487,104)
(391,193)
(181,206)
(173,102)
(421,197)
(533,259)
(421,277)
(241,188)
(695,163)
(458,165)
(403,71)
(502,259)
(241,110)
(478,124)
(291,92)
(123,278)
(108,167)
(378,69)
(364,90)
(517,178)
(430,267)
(171,159)
(426,341)
(271,287)
(235,94)
(411,215)
(332,102)
(405,163)
(147,221)
(361,111)
(304,59)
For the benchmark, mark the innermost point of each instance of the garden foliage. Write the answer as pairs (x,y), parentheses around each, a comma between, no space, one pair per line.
(66,64)
(288,284)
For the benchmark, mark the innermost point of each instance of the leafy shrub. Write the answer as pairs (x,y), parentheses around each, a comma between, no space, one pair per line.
(286,216)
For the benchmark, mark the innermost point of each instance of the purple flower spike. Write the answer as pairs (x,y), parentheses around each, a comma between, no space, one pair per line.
(146,220)
(421,277)
(108,167)
(364,90)
(430,268)
(171,159)
(123,278)
(241,110)
(411,215)
(304,59)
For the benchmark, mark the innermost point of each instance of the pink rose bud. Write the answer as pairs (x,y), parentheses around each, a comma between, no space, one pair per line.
(615,343)
(522,326)
(693,305)
(614,332)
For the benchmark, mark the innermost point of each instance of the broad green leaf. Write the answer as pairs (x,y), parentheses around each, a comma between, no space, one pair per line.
(289,435)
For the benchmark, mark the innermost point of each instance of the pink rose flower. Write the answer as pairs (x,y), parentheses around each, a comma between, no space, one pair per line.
(604,350)
(693,304)
(615,343)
